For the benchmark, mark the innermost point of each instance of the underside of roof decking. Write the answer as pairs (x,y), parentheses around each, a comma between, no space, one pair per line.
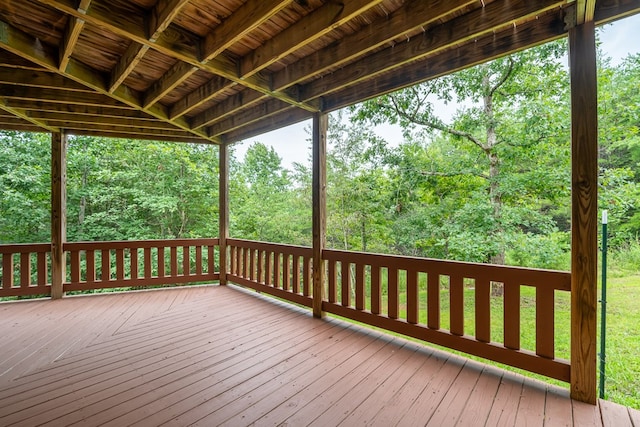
(221,71)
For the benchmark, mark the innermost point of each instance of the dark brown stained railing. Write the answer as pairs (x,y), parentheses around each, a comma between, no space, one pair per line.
(385,291)
(280,270)
(98,265)
(353,275)
(24,269)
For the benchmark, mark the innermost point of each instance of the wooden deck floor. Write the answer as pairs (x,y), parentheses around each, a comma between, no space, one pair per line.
(222,356)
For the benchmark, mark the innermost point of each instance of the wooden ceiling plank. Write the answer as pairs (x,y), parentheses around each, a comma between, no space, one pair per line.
(162,14)
(126,64)
(199,96)
(24,115)
(248,116)
(244,20)
(493,17)
(311,27)
(226,108)
(287,118)
(22,44)
(175,76)
(123,25)
(71,35)
(411,15)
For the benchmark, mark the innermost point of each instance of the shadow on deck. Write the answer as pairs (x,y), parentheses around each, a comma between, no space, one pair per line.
(216,355)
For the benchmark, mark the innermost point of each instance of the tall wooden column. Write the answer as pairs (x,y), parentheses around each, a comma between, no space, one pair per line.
(320,123)
(58,212)
(223,209)
(584,211)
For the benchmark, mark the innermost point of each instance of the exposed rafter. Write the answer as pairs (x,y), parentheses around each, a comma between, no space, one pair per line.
(132,27)
(28,47)
(71,34)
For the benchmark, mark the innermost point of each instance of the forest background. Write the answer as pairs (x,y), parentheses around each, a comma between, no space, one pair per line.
(489,184)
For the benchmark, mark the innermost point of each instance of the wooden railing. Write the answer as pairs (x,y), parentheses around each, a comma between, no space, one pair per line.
(280,270)
(98,265)
(25,269)
(422,298)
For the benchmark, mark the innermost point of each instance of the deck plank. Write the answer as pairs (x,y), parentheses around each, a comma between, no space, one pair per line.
(557,409)
(614,415)
(215,355)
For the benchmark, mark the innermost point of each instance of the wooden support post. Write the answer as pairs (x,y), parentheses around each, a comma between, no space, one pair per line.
(223,209)
(584,211)
(58,212)
(320,123)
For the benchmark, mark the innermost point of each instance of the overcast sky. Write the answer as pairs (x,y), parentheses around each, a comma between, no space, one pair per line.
(618,40)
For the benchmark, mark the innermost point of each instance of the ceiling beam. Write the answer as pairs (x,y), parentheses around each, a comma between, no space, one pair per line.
(77,109)
(126,64)
(186,49)
(161,15)
(287,118)
(585,10)
(412,15)
(173,78)
(90,119)
(214,87)
(309,28)
(248,116)
(22,44)
(493,17)
(42,79)
(241,22)
(24,115)
(226,108)
(31,94)
(547,28)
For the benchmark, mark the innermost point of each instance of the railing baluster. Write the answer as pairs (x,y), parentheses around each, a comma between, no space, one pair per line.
(306,278)
(106,265)
(392,292)
(186,260)
(133,260)
(120,264)
(512,316)
(43,274)
(412,297)
(345,293)
(376,294)
(268,268)
(160,261)
(296,274)
(173,261)
(286,272)
(211,259)
(333,278)
(276,269)
(456,304)
(360,291)
(75,266)
(545,314)
(25,270)
(148,271)
(260,278)
(483,310)
(433,300)
(199,260)
(7,271)
(252,264)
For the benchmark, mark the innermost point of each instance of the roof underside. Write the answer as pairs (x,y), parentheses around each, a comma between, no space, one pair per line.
(225,70)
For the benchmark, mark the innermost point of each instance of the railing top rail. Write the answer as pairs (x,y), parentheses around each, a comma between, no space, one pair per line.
(276,247)
(560,280)
(21,248)
(130,244)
